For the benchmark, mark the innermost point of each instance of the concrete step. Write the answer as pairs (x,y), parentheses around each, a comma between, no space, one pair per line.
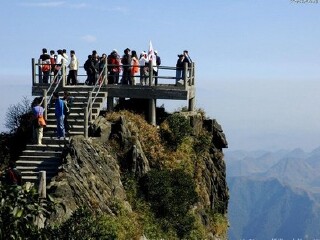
(36,168)
(53,128)
(33,177)
(79,109)
(45,147)
(43,153)
(25,159)
(78,92)
(71,121)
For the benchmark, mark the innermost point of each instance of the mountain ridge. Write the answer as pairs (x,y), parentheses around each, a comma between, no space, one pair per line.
(285,191)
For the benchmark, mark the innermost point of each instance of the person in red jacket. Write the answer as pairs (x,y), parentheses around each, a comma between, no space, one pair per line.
(113,67)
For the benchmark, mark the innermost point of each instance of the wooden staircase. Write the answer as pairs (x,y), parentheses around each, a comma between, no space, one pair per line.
(47,157)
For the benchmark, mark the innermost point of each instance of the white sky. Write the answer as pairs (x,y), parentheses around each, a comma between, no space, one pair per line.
(258,61)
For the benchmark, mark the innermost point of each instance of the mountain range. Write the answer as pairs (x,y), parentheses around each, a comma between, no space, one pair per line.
(274,195)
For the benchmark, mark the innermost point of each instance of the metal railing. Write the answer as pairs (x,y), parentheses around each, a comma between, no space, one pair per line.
(165,73)
(92,96)
(55,81)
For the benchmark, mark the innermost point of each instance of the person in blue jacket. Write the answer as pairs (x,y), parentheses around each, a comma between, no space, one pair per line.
(59,113)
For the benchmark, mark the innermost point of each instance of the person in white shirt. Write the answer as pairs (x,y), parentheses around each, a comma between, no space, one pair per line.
(59,61)
(73,69)
(143,61)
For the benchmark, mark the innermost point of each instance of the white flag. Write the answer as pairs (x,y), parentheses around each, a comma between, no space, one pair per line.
(152,57)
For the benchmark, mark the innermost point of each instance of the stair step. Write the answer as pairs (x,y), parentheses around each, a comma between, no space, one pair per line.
(51,147)
(37,168)
(34,177)
(37,158)
(30,163)
(43,153)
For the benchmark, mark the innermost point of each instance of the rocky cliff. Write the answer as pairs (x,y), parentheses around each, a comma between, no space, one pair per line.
(95,171)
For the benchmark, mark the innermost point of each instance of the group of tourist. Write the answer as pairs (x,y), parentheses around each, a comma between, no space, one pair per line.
(133,68)
(50,66)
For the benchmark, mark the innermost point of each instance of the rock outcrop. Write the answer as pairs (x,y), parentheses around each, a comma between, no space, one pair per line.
(91,170)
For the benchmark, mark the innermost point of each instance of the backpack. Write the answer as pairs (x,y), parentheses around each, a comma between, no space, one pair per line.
(87,65)
(46,66)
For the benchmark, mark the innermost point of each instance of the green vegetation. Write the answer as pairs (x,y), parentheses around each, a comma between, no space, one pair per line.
(19,209)
(174,129)
(171,195)
(83,224)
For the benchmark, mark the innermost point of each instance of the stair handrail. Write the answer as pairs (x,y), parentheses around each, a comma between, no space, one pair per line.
(55,84)
(95,90)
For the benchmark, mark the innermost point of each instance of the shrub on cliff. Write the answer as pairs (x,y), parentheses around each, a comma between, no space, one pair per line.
(171,195)
(174,129)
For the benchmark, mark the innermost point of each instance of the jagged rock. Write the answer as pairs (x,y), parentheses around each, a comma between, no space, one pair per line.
(219,138)
(196,121)
(135,160)
(89,177)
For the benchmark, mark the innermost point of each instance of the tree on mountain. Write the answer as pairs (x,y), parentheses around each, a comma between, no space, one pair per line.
(18,121)
(17,115)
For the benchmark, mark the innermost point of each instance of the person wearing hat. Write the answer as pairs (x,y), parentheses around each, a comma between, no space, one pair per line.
(126,67)
(143,62)
(179,67)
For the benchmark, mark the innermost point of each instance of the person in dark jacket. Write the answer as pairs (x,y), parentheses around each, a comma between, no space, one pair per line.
(126,66)
(179,68)
(91,71)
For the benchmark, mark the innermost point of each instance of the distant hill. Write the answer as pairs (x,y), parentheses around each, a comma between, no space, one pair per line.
(274,194)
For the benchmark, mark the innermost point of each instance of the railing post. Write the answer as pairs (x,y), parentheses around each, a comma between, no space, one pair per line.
(110,104)
(33,63)
(42,184)
(42,191)
(105,74)
(90,106)
(85,122)
(63,69)
(45,103)
(39,70)
(185,74)
(193,73)
(152,112)
(191,104)
(150,72)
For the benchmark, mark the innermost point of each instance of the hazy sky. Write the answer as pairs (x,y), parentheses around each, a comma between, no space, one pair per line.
(257,61)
